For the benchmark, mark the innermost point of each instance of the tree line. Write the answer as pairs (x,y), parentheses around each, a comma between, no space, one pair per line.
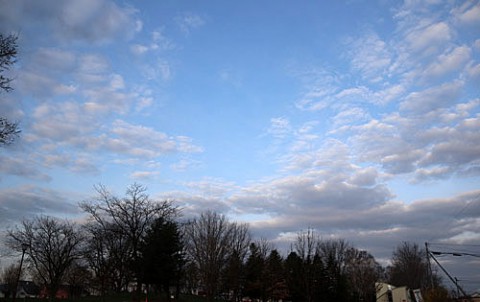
(137,244)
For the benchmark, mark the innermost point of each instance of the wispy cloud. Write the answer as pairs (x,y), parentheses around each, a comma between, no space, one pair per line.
(189,21)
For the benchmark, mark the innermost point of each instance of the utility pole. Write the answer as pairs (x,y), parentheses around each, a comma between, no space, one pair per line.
(24,248)
(429,265)
(459,288)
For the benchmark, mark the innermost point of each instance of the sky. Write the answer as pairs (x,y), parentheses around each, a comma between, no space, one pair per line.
(358,119)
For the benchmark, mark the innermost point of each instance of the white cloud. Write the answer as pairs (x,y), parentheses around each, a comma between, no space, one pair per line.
(93,64)
(209,186)
(279,127)
(332,154)
(364,177)
(185,164)
(87,21)
(319,85)
(139,49)
(389,94)
(144,102)
(158,42)
(434,173)
(141,141)
(189,21)
(26,201)
(473,72)
(22,168)
(370,56)
(164,70)
(116,82)
(62,121)
(476,45)
(427,40)
(447,63)
(434,145)
(93,21)
(144,175)
(50,60)
(350,116)
(432,98)
(75,127)
(84,164)
(468,13)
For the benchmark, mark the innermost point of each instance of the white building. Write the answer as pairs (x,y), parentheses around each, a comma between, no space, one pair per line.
(390,293)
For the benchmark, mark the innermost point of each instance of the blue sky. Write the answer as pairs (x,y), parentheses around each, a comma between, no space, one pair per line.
(359,119)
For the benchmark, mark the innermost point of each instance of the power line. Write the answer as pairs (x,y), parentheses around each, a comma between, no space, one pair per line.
(456,254)
(454,280)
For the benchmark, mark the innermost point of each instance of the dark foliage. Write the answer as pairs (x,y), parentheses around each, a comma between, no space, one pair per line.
(162,260)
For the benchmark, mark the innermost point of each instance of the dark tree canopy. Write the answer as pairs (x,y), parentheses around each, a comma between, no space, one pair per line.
(255,273)
(162,258)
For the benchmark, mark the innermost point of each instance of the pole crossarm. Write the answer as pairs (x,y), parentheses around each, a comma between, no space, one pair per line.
(457,254)
(432,255)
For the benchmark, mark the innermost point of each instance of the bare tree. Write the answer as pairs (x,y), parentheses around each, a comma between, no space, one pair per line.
(8,131)
(118,226)
(264,247)
(307,267)
(8,52)
(9,278)
(234,272)
(409,266)
(362,272)
(77,277)
(306,244)
(106,256)
(334,255)
(53,246)
(210,242)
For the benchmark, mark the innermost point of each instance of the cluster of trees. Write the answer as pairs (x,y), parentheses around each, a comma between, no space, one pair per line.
(134,243)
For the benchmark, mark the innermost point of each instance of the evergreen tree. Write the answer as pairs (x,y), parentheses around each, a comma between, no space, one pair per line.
(254,275)
(162,259)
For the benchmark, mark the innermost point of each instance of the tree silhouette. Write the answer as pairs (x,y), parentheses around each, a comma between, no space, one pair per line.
(409,266)
(162,259)
(211,240)
(8,53)
(121,224)
(53,246)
